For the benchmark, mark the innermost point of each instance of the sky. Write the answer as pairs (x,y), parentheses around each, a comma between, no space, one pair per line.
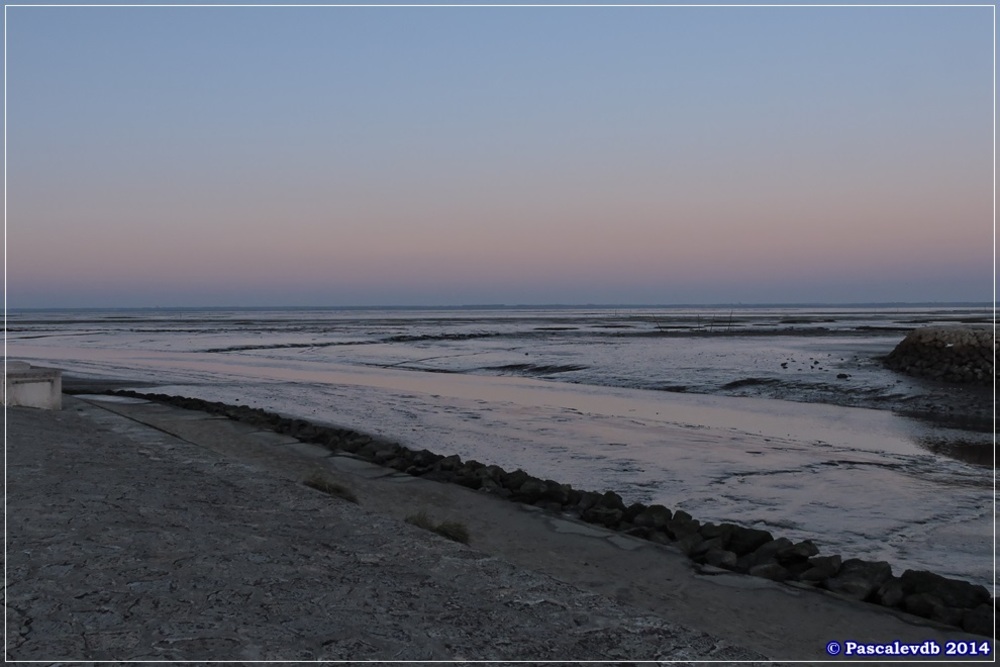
(341,156)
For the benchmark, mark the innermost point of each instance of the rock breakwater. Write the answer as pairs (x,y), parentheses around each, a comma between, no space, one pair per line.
(950,354)
(728,546)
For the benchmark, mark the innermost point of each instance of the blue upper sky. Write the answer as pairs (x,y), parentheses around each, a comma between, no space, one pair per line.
(437,155)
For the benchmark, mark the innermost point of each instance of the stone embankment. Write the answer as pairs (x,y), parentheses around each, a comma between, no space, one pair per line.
(951,354)
(728,546)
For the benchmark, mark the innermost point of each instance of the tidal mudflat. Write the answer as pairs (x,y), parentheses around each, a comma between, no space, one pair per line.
(776,418)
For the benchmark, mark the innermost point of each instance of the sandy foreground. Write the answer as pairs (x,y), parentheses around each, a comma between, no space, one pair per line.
(138,531)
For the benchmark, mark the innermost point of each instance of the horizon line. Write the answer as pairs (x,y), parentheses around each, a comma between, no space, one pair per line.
(509,306)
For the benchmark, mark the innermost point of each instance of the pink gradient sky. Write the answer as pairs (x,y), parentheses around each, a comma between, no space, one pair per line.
(334,157)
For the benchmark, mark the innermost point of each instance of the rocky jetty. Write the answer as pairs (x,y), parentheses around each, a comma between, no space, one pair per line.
(728,546)
(950,354)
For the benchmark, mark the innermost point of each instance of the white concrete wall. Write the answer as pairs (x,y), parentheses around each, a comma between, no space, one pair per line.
(33,387)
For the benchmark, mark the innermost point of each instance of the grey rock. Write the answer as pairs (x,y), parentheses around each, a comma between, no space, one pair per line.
(658,536)
(426,458)
(587,500)
(385,454)
(951,592)
(715,543)
(488,485)
(930,606)
(797,552)
(743,541)
(531,490)
(632,512)
(821,567)
(858,579)
(720,558)
(467,479)
(654,516)
(891,593)
(514,480)
(979,621)
(446,464)
(723,531)
(612,500)
(764,553)
(368,450)
(556,492)
(605,516)
(688,543)
(682,525)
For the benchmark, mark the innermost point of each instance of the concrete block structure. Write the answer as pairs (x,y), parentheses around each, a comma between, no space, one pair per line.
(32,386)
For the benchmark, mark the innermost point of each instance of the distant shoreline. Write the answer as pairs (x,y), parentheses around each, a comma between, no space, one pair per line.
(501,306)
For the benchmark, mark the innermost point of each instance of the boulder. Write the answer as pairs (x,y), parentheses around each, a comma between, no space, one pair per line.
(532,490)
(772,571)
(929,606)
(556,493)
(611,500)
(682,525)
(821,568)
(385,454)
(686,544)
(743,541)
(654,516)
(447,464)
(891,593)
(425,458)
(858,578)
(367,451)
(797,552)
(720,558)
(723,532)
(490,475)
(658,536)
(467,478)
(979,620)
(400,463)
(548,505)
(587,500)
(471,466)
(950,592)
(715,543)
(633,511)
(488,485)
(605,516)
(765,553)
(514,480)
